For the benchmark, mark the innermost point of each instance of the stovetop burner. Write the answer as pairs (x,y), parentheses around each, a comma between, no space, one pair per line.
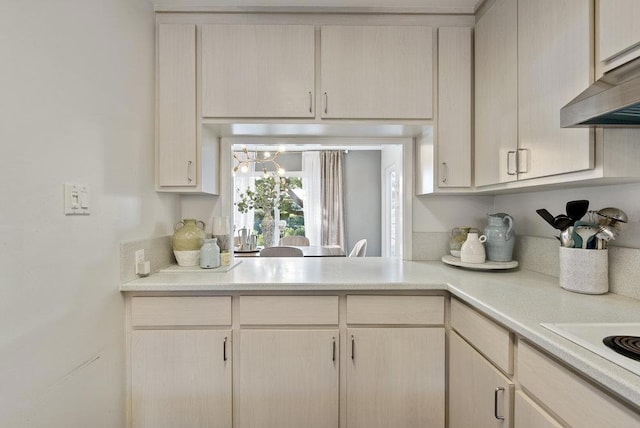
(629,346)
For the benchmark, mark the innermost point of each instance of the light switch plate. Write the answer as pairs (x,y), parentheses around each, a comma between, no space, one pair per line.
(76,199)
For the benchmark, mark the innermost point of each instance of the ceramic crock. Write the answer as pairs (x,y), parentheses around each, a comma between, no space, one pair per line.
(472,250)
(187,240)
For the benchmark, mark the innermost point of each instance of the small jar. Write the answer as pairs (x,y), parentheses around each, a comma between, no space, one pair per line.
(210,254)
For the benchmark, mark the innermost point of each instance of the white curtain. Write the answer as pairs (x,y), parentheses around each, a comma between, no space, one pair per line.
(312,197)
(332,198)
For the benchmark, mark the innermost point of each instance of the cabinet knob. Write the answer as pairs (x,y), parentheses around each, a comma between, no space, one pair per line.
(326,102)
(310,102)
(445,172)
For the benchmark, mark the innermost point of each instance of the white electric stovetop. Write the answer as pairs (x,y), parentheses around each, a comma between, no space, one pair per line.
(590,335)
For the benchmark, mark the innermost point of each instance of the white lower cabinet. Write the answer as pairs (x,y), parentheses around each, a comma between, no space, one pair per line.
(181,361)
(529,415)
(573,399)
(181,378)
(479,394)
(395,377)
(288,378)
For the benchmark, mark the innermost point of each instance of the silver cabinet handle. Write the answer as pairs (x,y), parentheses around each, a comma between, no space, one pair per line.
(509,153)
(224,349)
(189,164)
(310,102)
(326,102)
(495,404)
(353,347)
(333,350)
(522,158)
(445,172)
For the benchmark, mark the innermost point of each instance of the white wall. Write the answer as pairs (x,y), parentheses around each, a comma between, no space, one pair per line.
(362,195)
(443,213)
(76,106)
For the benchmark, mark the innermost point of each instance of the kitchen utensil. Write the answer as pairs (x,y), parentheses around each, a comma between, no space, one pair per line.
(577,209)
(613,215)
(562,221)
(565,237)
(547,216)
(582,232)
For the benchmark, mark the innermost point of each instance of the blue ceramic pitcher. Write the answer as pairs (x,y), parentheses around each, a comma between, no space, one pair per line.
(500,238)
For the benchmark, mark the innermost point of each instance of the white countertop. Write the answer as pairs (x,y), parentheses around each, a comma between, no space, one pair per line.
(520,299)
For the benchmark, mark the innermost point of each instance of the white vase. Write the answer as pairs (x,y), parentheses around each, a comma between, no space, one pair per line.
(472,250)
(268,228)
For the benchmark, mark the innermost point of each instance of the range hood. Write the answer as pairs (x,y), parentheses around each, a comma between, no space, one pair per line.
(612,101)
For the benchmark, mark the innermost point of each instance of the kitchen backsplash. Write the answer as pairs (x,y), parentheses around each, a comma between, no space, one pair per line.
(541,255)
(156,250)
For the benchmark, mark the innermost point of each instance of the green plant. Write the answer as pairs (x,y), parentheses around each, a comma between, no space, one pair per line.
(268,194)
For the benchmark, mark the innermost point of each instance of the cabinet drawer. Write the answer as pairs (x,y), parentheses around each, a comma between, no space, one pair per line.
(571,397)
(287,310)
(180,311)
(485,335)
(422,310)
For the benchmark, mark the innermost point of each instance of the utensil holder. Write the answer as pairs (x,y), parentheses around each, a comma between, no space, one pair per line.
(584,271)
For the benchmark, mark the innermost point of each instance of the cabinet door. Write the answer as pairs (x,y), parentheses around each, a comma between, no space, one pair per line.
(496,94)
(381,72)
(618,29)
(288,379)
(395,377)
(554,65)
(454,106)
(258,70)
(176,100)
(479,395)
(529,415)
(181,378)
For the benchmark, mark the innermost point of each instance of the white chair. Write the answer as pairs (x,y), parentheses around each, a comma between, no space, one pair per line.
(360,249)
(298,241)
(281,252)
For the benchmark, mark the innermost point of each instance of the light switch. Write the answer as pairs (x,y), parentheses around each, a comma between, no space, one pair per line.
(76,199)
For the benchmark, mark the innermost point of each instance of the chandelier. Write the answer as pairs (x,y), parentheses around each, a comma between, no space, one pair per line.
(252,158)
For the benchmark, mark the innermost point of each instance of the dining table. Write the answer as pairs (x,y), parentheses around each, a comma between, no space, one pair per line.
(307,251)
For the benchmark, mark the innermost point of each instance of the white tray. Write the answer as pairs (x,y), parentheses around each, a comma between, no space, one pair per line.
(488,265)
(183,269)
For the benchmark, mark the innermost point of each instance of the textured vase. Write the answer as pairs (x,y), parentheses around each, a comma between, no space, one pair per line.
(187,240)
(268,228)
(500,238)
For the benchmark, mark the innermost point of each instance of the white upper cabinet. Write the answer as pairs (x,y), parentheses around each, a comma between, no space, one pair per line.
(554,65)
(532,57)
(376,72)
(618,33)
(177,135)
(258,71)
(455,70)
(496,96)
